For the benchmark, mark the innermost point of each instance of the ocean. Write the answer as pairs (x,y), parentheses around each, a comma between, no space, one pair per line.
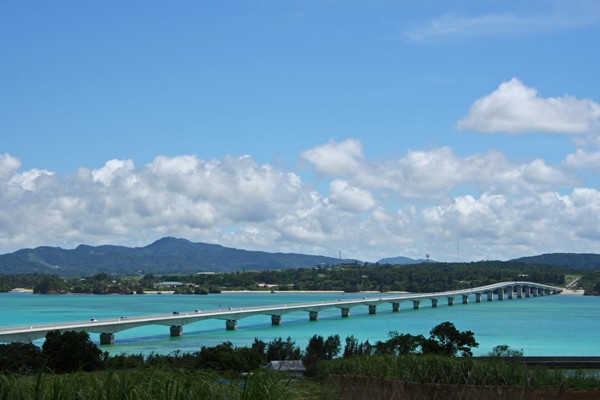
(559,325)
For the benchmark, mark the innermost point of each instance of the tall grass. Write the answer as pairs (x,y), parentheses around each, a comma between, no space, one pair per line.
(149,384)
(455,371)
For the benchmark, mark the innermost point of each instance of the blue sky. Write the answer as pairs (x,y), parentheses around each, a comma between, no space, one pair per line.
(377,128)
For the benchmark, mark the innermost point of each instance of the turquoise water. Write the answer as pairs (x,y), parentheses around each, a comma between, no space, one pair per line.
(564,325)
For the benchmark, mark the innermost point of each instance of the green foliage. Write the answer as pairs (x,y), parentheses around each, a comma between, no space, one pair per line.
(71,351)
(446,340)
(226,357)
(400,344)
(319,349)
(279,349)
(503,350)
(355,348)
(23,358)
(590,282)
(570,260)
(51,284)
(427,277)
(442,370)
(148,384)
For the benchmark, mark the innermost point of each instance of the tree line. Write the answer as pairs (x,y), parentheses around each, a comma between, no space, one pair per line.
(425,277)
(74,351)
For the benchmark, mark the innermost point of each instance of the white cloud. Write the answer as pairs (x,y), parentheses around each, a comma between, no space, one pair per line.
(515,108)
(420,203)
(114,169)
(583,159)
(436,173)
(578,14)
(336,158)
(350,198)
(8,166)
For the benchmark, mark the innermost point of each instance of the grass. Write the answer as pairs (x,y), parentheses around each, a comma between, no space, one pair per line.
(146,384)
(456,371)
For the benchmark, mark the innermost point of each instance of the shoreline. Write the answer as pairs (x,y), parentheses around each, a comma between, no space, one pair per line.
(568,292)
(571,292)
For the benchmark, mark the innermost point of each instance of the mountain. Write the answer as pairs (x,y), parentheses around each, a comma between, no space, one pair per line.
(165,256)
(401,261)
(571,260)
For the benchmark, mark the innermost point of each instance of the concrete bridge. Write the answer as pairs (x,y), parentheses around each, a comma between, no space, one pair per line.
(108,327)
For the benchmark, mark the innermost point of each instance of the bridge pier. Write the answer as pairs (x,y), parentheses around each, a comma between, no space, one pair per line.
(345,312)
(450,301)
(465,299)
(176,330)
(490,296)
(534,291)
(275,320)
(510,291)
(372,309)
(477,297)
(395,307)
(107,338)
(526,290)
(231,325)
(313,315)
(519,292)
(434,303)
(500,294)
(416,304)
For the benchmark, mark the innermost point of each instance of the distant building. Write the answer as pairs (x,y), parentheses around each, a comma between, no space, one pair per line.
(169,284)
(293,367)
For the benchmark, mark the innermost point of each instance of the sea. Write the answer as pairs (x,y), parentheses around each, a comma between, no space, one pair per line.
(557,325)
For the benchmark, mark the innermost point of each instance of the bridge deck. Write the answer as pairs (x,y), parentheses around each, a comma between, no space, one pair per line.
(231,315)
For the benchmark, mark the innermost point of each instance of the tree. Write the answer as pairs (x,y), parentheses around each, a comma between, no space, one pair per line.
(446,340)
(50,284)
(400,344)
(355,348)
(260,347)
(320,349)
(20,357)
(279,349)
(71,351)
(503,350)
(226,357)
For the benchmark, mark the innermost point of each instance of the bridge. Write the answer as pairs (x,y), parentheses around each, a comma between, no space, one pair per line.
(109,326)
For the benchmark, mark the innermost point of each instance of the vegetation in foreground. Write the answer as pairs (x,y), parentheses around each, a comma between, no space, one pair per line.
(70,366)
(147,384)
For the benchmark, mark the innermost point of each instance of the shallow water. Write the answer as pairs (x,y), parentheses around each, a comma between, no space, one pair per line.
(563,325)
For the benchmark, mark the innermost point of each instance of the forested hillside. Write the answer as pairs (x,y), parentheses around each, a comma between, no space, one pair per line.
(165,256)
(570,260)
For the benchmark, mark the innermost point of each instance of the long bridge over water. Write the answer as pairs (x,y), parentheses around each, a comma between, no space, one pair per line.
(109,326)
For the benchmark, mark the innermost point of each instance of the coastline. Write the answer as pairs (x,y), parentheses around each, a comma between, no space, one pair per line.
(570,292)
(22,290)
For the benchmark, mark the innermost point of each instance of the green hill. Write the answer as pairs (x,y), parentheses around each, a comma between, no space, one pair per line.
(165,256)
(570,260)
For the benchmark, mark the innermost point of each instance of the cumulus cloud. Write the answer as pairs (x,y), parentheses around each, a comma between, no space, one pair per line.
(436,173)
(422,202)
(336,158)
(516,108)
(350,198)
(583,159)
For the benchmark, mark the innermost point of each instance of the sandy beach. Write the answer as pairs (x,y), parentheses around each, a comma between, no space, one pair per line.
(571,292)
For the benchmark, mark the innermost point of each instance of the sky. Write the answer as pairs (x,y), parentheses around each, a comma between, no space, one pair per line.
(463,130)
